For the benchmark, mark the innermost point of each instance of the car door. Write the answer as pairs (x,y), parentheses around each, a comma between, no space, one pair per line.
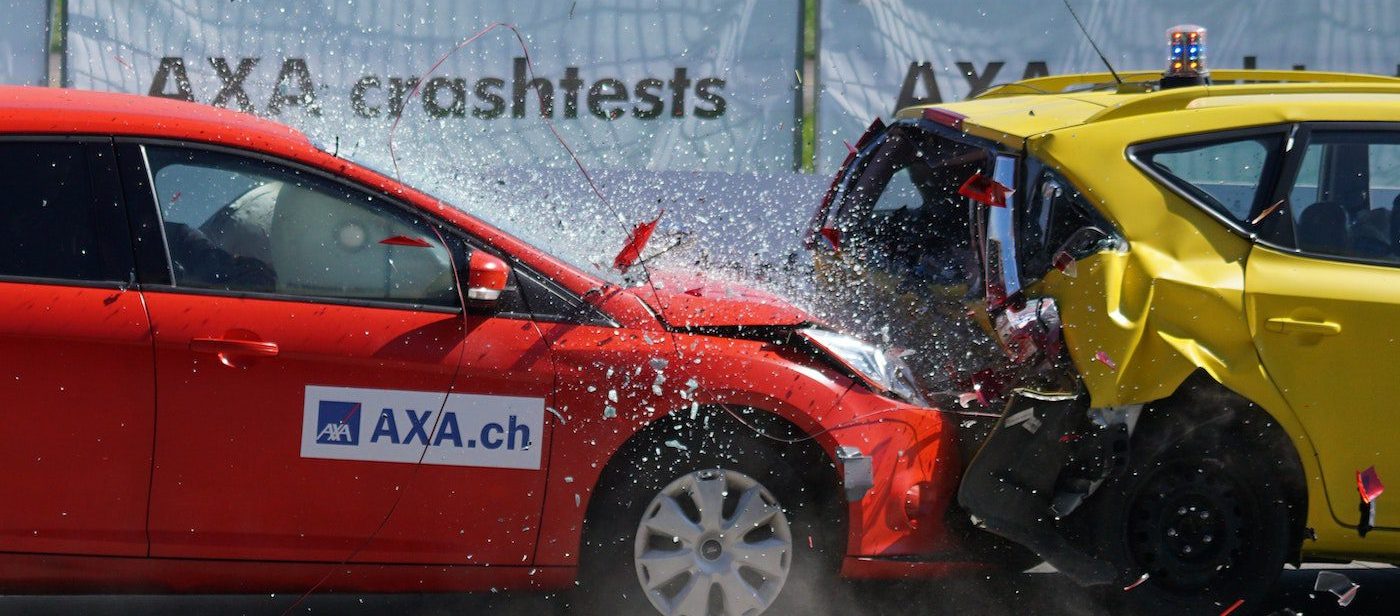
(1324,308)
(76,384)
(316,372)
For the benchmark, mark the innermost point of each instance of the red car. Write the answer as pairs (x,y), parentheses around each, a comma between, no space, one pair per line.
(233,362)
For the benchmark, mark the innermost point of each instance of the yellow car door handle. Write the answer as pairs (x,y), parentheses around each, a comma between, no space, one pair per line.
(1294,326)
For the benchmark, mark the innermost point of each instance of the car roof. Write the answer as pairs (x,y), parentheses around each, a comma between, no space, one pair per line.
(27,110)
(1016,111)
(31,110)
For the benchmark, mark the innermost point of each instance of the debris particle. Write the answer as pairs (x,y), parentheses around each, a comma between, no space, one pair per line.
(833,236)
(810,543)
(636,241)
(1136,583)
(984,190)
(675,444)
(1268,210)
(1337,584)
(556,414)
(609,412)
(1233,606)
(1066,264)
(1368,484)
(1104,359)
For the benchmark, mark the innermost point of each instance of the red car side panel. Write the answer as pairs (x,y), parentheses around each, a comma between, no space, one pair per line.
(604,395)
(77,389)
(474,515)
(48,573)
(229,480)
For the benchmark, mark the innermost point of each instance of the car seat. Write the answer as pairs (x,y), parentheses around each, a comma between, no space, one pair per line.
(1370,234)
(1322,228)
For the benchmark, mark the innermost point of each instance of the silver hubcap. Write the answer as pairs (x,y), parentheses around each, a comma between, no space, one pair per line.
(713,542)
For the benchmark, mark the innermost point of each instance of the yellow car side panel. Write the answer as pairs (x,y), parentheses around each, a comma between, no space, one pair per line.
(1173,302)
(1340,381)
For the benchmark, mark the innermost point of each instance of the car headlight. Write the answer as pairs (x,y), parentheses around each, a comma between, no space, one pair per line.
(882,370)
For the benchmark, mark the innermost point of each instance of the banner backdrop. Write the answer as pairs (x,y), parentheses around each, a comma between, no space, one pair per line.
(878,55)
(695,85)
(24,44)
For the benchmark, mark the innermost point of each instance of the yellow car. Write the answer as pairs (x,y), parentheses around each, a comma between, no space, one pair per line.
(1192,287)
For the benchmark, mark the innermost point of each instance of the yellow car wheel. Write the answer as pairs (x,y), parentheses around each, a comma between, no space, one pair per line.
(1205,519)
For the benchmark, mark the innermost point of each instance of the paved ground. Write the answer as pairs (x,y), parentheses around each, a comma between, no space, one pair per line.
(1026,594)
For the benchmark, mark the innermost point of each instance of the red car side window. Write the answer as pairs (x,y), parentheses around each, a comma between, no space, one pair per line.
(49,226)
(245,225)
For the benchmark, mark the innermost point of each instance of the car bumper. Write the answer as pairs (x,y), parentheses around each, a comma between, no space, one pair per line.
(900,468)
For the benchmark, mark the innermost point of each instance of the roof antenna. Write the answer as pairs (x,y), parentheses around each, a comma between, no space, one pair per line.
(1093,44)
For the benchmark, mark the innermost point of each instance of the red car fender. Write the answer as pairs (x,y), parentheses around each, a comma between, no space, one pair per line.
(908,446)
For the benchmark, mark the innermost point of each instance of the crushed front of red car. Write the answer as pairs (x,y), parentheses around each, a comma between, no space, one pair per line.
(896,458)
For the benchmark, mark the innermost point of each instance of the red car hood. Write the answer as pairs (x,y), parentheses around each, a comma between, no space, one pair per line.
(690,300)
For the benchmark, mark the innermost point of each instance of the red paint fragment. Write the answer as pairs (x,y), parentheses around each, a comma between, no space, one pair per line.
(832,236)
(1104,359)
(636,241)
(697,291)
(1368,485)
(175,198)
(984,190)
(1066,264)
(404,240)
(1269,210)
(810,543)
(849,148)
(1136,583)
(1233,606)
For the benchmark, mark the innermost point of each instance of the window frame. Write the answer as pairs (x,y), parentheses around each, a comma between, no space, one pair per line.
(105,187)
(154,269)
(158,238)
(1033,176)
(1269,177)
(1284,235)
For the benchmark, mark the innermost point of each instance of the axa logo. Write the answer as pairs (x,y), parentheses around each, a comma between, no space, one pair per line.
(511,435)
(427,427)
(338,423)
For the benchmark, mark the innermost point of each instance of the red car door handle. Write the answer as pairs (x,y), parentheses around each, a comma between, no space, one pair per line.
(254,348)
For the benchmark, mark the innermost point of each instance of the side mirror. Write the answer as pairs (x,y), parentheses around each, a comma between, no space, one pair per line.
(486,278)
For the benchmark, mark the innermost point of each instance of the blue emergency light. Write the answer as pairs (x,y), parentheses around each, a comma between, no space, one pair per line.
(1186,57)
(1187,46)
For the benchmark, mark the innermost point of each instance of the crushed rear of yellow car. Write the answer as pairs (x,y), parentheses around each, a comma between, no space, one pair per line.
(1179,304)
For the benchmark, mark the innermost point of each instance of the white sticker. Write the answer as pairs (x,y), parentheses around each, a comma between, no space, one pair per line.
(390,425)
